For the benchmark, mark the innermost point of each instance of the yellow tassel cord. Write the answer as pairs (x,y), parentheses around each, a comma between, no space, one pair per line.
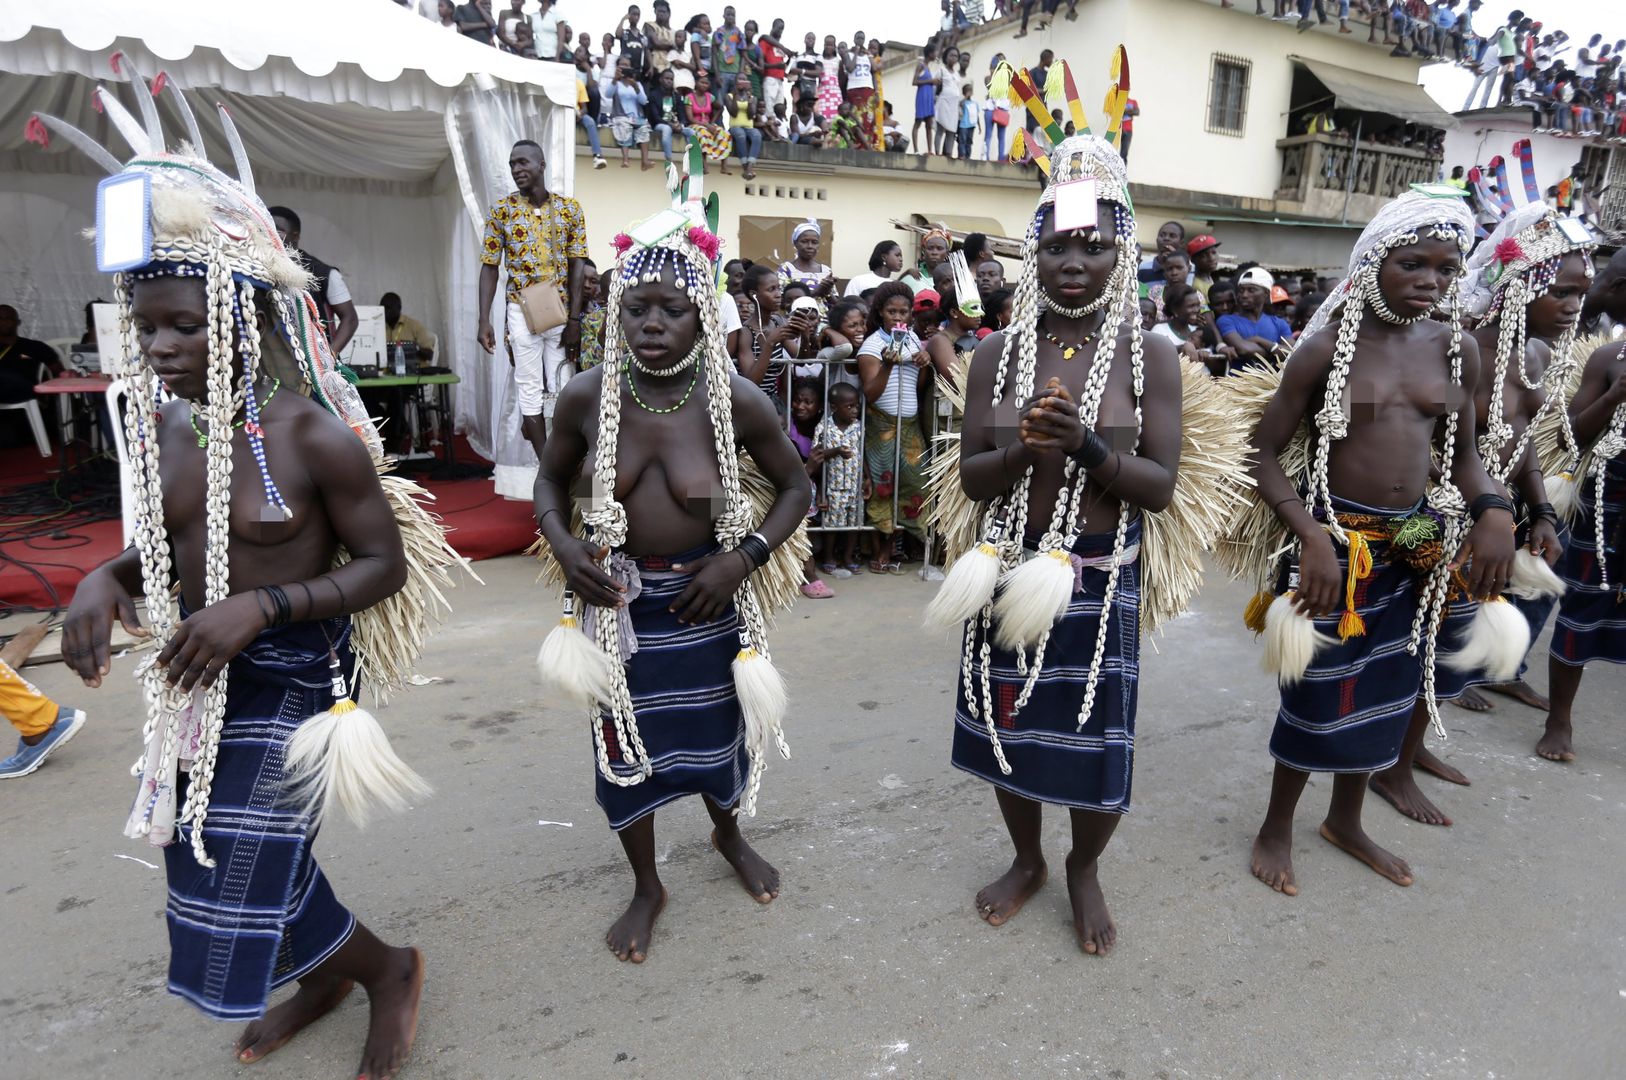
(1350,624)
(1253,616)
(342,706)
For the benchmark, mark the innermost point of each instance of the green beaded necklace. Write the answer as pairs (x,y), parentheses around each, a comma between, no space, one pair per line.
(203,438)
(626,369)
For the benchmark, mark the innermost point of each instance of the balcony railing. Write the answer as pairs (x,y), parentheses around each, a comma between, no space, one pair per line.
(1316,178)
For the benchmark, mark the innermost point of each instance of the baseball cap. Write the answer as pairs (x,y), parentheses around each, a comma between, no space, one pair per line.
(1201,243)
(1278,295)
(1259,276)
(926,299)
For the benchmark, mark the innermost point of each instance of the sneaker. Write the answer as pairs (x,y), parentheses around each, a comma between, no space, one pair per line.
(600,163)
(28,758)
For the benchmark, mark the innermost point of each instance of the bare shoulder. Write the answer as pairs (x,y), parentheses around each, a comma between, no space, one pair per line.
(323,440)
(1608,358)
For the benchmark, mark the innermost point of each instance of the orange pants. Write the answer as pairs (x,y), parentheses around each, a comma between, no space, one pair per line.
(30,712)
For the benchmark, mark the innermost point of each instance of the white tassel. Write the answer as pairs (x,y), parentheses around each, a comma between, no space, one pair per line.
(573,666)
(763,704)
(1562,491)
(1291,641)
(967,589)
(1532,578)
(1032,597)
(1496,641)
(342,758)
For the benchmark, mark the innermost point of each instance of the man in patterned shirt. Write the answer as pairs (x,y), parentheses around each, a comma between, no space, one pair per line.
(541,237)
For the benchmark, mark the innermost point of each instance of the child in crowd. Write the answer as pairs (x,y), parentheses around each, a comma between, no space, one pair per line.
(844,129)
(841,338)
(968,121)
(838,442)
(806,407)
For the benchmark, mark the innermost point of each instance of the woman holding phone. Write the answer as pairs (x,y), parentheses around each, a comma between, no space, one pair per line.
(892,365)
(770,339)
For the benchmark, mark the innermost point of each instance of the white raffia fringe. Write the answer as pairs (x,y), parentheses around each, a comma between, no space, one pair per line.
(1497,639)
(343,760)
(1032,596)
(574,667)
(1564,493)
(966,590)
(763,704)
(1532,578)
(1211,490)
(1291,641)
(1256,538)
(389,636)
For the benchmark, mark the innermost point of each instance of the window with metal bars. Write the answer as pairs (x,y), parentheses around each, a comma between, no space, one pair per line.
(1228,94)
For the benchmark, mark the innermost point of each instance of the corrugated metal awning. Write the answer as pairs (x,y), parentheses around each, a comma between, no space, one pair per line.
(1374,93)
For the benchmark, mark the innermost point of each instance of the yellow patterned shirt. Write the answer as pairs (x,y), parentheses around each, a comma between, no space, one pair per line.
(536,242)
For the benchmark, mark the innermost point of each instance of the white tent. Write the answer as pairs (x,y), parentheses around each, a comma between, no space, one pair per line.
(386,132)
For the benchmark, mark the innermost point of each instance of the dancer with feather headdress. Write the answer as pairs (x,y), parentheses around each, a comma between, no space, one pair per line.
(302,574)
(1070,451)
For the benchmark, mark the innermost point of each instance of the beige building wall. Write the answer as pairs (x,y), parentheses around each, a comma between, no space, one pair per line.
(861,203)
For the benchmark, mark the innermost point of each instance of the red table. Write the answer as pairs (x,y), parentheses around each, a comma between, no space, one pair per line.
(73,384)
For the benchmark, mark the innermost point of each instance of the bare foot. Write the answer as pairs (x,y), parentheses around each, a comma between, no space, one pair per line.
(1555,743)
(1361,847)
(630,936)
(394,1019)
(1091,920)
(758,876)
(1273,863)
(1473,701)
(999,901)
(1518,690)
(1399,789)
(1430,764)
(314,1000)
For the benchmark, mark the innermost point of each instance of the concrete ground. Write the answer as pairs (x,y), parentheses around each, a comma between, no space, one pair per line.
(1504,960)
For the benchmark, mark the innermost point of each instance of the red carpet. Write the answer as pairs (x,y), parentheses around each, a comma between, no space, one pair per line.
(43,571)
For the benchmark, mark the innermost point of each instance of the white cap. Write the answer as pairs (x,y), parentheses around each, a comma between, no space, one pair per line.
(1259,276)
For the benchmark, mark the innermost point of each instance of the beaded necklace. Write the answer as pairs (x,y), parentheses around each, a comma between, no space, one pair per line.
(1069,351)
(203,437)
(632,384)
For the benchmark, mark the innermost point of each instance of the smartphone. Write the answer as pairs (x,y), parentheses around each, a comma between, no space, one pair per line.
(900,335)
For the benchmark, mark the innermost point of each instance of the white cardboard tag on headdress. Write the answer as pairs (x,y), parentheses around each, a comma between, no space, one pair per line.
(123,222)
(1575,231)
(1075,205)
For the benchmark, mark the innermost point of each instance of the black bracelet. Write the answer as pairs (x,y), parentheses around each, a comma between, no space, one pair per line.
(1094,451)
(755,549)
(264,614)
(343,606)
(1281,502)
(1543,511)
(279,600)
(1489,501)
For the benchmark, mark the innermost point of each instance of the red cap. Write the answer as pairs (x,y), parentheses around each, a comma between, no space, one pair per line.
(1200,243)
(926,299)
(1278,295)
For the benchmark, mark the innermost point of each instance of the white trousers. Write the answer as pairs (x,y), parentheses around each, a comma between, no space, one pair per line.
(773,92)
(539,362)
